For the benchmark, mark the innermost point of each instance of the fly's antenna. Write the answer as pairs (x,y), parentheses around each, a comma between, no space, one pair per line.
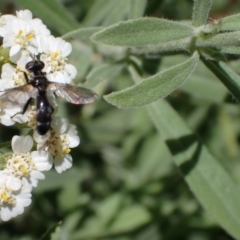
(33,56)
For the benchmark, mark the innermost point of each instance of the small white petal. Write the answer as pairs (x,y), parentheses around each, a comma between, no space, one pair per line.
(24,15)
(37,175)
(62,164)
(14,183)
(43,160)
(8,41)
(14,50)
(5,214)
(73,137)
(57,77)
(71,70)
(21,144)
(60,125)
(66,50)
(26,202)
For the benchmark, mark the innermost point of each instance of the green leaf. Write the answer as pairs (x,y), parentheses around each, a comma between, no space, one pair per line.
(109,207)
(207,179)
(54,235)
(72,220)
(102,73)
(235,50)
(98,12)
(230,23)
(81,33)
(51,12)
(202,88)
(201,83)
(137,8)
(57,234)
(218,40)
(118,13)
(130,218)
(155,87)
(212,54)
(153,161)
(143,32)
(201,10)
(228,77)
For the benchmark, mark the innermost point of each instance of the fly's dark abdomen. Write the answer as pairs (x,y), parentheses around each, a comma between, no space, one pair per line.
(44,113)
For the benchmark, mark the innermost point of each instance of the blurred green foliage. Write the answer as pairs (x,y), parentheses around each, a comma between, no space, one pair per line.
(124,184)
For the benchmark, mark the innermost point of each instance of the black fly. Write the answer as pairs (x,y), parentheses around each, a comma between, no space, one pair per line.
(38,81)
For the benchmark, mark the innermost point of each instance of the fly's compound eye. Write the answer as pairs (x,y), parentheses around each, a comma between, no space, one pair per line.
(34,66)
(30,66)
(40,64)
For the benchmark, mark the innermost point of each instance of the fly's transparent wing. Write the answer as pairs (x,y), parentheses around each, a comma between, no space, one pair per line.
(18,94)
(74,94)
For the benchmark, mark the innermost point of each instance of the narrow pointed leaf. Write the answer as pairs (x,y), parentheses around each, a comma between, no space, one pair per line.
(219,40)
(228,77)
(207,179)
(235,50)
(230,23)
(201,10)
(155,87)
(143,32)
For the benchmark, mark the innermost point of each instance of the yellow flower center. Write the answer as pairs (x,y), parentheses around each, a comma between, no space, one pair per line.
(23,38)
(6,196)
(19,78)
(57,145)
(56,61)
(21,164)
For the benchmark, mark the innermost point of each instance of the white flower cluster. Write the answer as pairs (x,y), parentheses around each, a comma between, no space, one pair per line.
(26,38)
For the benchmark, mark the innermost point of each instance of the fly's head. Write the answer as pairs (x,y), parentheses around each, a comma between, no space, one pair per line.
(35,66)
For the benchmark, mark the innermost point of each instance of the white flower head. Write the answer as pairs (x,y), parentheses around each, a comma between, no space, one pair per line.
(21,33)
(38,27)
(54,55)
(14,195)
(26,164)
(58,142)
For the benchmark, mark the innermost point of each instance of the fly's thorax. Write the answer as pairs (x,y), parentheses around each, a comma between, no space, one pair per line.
(40,82)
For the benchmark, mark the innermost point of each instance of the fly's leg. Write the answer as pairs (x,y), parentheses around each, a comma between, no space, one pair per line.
(24,108)
(26,76)
(26,105)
